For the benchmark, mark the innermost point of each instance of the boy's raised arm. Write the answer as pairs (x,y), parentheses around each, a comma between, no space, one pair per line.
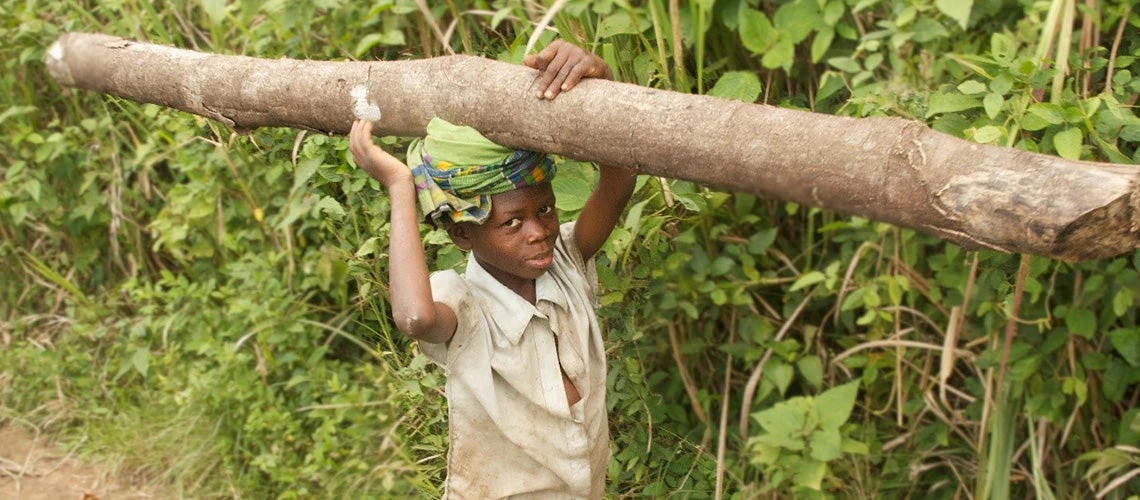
(563,65)
(414,311)
(603,209)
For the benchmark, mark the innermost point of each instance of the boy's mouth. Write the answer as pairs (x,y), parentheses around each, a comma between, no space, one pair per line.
(542,260)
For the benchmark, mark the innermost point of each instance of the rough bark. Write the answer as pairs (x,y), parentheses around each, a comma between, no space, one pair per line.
(886,169)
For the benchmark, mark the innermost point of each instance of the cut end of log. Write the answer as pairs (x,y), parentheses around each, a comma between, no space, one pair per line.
(55,65)
(1101,233)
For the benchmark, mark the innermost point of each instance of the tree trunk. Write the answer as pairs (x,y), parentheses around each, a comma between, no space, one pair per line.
(886,169)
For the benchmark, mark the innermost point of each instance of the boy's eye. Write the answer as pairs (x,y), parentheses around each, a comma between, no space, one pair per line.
(516,222)
(546,210)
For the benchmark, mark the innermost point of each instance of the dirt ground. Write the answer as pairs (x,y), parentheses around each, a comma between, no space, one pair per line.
(32,468)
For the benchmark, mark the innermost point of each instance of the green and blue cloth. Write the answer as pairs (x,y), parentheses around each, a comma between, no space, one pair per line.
(457,170)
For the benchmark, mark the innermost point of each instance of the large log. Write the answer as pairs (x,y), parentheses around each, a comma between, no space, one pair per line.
(886,169)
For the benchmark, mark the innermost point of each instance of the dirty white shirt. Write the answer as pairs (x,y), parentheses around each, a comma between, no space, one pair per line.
(512,433)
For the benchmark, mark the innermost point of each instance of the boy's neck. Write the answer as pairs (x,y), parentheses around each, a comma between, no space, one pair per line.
(524,287)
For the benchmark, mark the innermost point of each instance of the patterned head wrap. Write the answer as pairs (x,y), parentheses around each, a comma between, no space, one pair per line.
(457,170)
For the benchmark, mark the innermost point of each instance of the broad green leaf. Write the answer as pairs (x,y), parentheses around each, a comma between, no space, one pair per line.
(926,30)
(633,217)
(393,37)
(330,206)
(829,84)
(368,247)
(718,297)
(810,474)
(950,103)
(621,23)
(807,279)
(832,12)
(993,104)
(1081,322)
(863,5)
(215,10)
(987,134)
(305,170)
(764,453)
(1033,123)
(1001,84)
(1129,434)
(781,420)
(1049,112)
(835,404)
(873,61)
(1126,341)
(1076,387)
(906,16)
(958,10)
(867,318)
(1003,48)
(32,187)
(573,185)
(721,265)
(1130,133)
(781,55)
(1068,143)
(755,30)
(1117,378)
(140,360)
(739,85)
(797,19)
(19,110)
(499,16)
(853,300)
(758,243)
(812,370)
(821,43)
(1122,302)
(855,447)
(781,376)
(788,441)
(971,87)
(825,444)
(846,64)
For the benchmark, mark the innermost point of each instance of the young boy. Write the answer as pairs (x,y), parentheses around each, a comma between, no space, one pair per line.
(517,334)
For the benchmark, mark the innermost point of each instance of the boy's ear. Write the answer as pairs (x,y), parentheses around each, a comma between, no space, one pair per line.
(461,235)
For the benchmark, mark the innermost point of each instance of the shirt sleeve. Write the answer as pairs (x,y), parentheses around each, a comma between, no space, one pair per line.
(584,267)
(450,289)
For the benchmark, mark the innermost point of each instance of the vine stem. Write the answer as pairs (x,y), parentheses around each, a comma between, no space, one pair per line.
(1115,48)
(1011,324)
(722,436)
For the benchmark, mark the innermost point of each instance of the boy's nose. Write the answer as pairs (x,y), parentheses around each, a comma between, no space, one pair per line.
(537,232)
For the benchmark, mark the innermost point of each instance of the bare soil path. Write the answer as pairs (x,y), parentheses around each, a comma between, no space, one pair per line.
(33,468)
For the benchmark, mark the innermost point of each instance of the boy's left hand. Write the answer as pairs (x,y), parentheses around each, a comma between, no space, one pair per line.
(563,65)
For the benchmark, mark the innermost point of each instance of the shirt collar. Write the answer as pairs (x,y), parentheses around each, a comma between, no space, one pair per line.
(508,310)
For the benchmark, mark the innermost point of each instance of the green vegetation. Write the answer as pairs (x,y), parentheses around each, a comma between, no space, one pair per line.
(208,309)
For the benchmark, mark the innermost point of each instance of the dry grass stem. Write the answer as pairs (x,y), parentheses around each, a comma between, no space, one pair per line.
(1115,48)
(431,21)
(758,371)
(686,378)
(542,24)
(898,343)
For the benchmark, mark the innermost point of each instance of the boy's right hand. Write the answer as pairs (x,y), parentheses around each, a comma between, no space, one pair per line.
(375,161)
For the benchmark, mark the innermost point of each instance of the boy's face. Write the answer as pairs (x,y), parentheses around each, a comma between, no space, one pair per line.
(516,242)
